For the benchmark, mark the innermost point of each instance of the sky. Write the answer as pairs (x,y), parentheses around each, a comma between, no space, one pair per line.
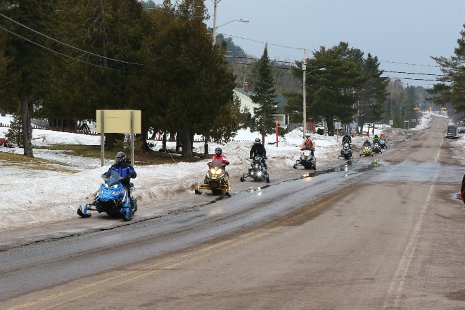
(403,34)
(61,192)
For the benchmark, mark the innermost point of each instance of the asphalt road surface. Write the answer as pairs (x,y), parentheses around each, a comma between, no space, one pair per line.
(376,233)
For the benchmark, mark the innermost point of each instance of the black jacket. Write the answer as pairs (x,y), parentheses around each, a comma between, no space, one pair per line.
(347,139)
(257,149)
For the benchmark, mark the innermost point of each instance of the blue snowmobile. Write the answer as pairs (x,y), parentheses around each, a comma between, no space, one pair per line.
(112,198)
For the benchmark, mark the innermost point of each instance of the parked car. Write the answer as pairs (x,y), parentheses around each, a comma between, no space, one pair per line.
(451,132)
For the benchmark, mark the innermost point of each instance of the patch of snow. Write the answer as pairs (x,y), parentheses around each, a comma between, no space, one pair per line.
(38,196)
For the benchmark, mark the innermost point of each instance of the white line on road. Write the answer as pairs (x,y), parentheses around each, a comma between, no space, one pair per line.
(397,284)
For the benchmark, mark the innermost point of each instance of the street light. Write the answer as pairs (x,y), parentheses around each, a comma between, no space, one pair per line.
(234,20)
(215,4)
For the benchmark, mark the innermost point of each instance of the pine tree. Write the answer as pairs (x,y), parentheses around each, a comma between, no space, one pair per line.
(264,96)
(454,73)
(185,81)
(15,132)
(333,78)
(373,93)
(26,76)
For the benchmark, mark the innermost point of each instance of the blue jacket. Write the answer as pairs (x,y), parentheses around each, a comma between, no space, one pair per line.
(125,170)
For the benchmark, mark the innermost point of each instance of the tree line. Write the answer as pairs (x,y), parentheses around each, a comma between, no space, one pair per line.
(62,60)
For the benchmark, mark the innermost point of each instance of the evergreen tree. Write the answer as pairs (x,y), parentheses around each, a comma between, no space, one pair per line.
(264,96)
(26,76)
(454,72)
(186,80)
(334,76)
(372,94)
(15,132)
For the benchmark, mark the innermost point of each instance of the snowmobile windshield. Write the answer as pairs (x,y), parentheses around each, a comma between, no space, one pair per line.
(218,163)
(113,179)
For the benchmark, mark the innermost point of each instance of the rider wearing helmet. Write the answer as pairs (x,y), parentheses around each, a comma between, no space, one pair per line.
(347,139)
(367,143)
(375,139)
(219,156)
(258,150)
(124,169)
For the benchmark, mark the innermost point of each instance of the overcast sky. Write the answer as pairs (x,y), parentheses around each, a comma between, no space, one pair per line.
(399,31)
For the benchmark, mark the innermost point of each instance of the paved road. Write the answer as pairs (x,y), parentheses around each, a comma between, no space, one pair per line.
(362,237)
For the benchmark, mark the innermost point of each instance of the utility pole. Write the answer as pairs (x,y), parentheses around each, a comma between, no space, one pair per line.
(215,5)
(304,93)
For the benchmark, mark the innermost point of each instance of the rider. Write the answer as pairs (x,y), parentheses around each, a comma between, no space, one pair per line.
(124,169)
(376,139)
(346,139)
(381,137)
(366,143)
(308,145)
(219,156)
(258,150)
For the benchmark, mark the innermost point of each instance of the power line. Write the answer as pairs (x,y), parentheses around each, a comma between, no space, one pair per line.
(268,43)
(55,52)
(408,64)
(413,73)
(288,62)
(68,45)
(300,48)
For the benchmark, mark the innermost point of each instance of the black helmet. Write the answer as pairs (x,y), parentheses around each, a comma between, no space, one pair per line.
(120,156)
(218,151)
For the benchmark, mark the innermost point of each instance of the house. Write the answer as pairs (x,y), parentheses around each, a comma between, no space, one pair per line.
(243,95)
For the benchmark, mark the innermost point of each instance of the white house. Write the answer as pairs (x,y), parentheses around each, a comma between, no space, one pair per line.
(243,95)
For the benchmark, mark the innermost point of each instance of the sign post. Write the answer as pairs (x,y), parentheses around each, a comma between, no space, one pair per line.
(102,138)
(277,133)
(118,121)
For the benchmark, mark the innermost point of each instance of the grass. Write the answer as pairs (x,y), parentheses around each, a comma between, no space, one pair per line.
(9,159)
(93,151)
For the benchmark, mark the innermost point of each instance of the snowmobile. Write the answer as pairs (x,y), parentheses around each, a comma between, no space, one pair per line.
(216,180)
(366,151)
(257,171)
(346,151)
(307,159)
(377,149)
(382,144)
(112,198)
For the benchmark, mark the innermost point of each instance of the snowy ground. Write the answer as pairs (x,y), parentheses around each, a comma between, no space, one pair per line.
(39,196)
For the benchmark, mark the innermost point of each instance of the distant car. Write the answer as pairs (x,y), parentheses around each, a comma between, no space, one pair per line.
(451,132)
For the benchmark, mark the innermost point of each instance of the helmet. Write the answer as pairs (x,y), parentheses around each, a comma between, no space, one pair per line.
(218,151)
(257,140)
(308,136)
(376,136)
(120,156)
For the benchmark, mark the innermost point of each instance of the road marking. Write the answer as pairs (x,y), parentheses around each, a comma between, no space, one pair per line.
(398,281)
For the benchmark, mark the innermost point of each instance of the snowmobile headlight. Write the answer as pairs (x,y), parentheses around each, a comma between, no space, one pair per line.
(106,185)
(115,186)
(213,171)
(259,173)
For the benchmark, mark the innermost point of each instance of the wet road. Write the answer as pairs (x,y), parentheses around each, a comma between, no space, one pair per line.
(369,235)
